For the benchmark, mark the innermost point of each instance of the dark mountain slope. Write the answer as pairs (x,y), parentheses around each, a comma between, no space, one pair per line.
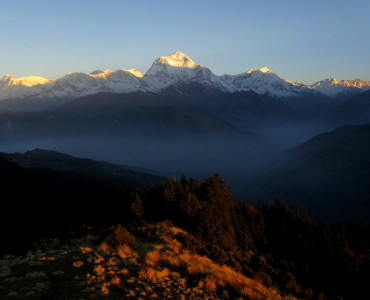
(243,109)
(47,193)
(31,104)
(120,176)
(329,175)
(184,107)
(310,107)
(355,111)
(123,114)
(318,142)
(143,111)
(246,108)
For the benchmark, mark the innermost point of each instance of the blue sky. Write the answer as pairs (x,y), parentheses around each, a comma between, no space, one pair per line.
(300,40)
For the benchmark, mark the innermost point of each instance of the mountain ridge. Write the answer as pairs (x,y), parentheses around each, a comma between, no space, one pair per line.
(165,71)
(328,175)
(335,88)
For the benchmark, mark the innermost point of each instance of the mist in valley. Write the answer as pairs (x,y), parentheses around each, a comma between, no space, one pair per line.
(238,159)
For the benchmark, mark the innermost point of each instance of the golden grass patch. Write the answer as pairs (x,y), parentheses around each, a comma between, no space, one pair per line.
(105,247)
(78,264)
(99,270)
(98,259)
(153,258)
(85,250)
(125,252)
(115,280)
(47,258)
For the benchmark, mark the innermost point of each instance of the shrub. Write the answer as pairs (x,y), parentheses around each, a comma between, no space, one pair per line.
(121,236)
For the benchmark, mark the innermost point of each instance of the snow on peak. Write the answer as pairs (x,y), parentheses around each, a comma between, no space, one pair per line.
(97,72)
(332,80)
(105,74)
(7,80)
(264,81)
(101,74)
(261,70)
(134,72)
(176,68)
(332,87)
(76,84)
(177,59)
(11,87)
(165,71)
(25,81)
(33,80)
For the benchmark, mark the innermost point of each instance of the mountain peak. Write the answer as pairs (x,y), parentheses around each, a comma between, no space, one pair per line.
(333,87)
(261,70)
(350,83)
(177,59)
(32,80)
(96,72)
(25,81)
(6,77)
(134,72)
(332,80)
(105,74)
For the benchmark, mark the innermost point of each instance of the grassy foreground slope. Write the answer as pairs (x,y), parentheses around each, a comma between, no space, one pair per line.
(124,266)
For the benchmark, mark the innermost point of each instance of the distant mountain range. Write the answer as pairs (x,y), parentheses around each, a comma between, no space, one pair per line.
(341,88)
(165,71)
(180,109)
(137,113)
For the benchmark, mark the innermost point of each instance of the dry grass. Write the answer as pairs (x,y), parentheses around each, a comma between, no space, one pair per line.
(174,246)
(98,258)
(112,262)
(47,258)
(105,247)
(115,280)
(126,253)
(210,283)
(122,237)
(210,276)
(78,264)
(213,276)
(149,271)
(85,249)
(153,274)
(153,258)
(99,270)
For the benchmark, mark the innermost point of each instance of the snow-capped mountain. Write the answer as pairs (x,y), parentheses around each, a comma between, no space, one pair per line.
(333,87)
(178,67)
(264,81)
(164,72)
(29,81)
(76,84)
(11,87)
(72,85)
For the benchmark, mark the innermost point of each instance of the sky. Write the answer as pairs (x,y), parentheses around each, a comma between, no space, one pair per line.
(304,41)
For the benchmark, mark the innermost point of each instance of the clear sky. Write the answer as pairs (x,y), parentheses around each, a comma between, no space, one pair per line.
(300,40)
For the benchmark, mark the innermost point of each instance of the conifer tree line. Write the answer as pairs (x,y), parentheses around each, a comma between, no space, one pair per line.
(278,244)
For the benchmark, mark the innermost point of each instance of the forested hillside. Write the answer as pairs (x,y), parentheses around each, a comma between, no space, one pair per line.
(277,245)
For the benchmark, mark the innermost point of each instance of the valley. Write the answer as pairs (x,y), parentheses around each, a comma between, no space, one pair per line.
(108,149)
